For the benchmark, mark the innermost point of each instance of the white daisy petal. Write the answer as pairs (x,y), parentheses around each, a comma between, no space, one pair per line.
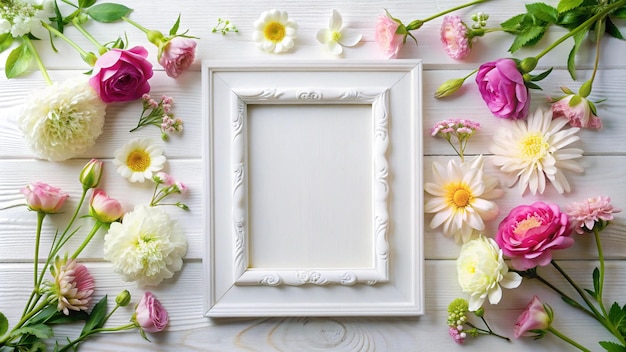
(139,159)
(274,32)
(350,37)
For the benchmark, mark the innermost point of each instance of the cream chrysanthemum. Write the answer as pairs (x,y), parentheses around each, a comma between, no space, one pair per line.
(274,32)
(461,198)
(73,285)
(62,120)
(530,151)
(139,159)
(146,247)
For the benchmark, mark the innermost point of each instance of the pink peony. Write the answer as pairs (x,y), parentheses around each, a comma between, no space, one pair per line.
(585,214)
(579,115)
(104,208)
(501,86)
(530,232)
(537,317)
(122,75)
(150,314)
(455,37)
(177,55)
(42,197)
(387,35)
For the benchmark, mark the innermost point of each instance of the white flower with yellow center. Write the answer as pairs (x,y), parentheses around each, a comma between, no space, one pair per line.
(274,32)
(482,272)
(336,37)
(146,247)
(531,151)
(139,159)
(461,198)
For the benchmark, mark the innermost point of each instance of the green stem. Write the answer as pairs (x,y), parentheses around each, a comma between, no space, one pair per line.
(597,59)
(567,339)
(601,278)
(35,53)
(93,332)
(491,331)
(578,289)
(68,40)
(24,319)
(452,10)
(470,74)
(40,216)
(101,49)
(142,28)
(487,332)
(94,229)
(582,26)
(568,299)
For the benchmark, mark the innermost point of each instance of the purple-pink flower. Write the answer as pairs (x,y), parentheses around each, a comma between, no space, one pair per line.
(177,55)
(122,75)
(534,320)
(577,110)
(42,197)
(150,315)
(456,335)
(387,36)
(585,214)
(501,86)
(530,232)
(455,37)
(104,208)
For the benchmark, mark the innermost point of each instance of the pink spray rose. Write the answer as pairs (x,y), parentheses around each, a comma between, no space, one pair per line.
(177,55)
(502,87)
(537,317)
(387,36)
(585,214)
(150,314)
(455,37)
(122,75)
(530,232)
(42,197)
(104,208)
(577,110)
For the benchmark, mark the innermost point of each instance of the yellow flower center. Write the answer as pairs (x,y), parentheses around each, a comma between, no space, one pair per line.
(458,194)
(534,146)
(336,36)
(521,230)
(138,160)
(274,31)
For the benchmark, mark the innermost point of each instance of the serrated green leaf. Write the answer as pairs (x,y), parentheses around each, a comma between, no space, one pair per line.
(566,5)
(571,59)
(541,76)
(174,28)
(612,30)
(513,23)
(529,37)
(108,12)
(83,4)
(18,61)
(620,13)
(4,324)
(610,346)
(543,12)
(532,85)
(97,317)
(6,40)
(40,331)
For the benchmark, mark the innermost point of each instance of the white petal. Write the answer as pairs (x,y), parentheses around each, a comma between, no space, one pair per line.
(335,22)
(334,48)
(350,37)
(495,295)
(323,35)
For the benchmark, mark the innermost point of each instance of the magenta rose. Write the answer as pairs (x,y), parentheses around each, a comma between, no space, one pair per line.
(534,320)
(530,232)
(122,75)
(502,87)
(42,197)
(150,314)
(177,55)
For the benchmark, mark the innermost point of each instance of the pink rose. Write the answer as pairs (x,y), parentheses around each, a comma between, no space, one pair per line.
(536,318)
(43,197)
(177,55)
(122,75)
(150,314)
(104,208)
(455,37)
(530,232)
(579,114)
(502,87)
(387,37)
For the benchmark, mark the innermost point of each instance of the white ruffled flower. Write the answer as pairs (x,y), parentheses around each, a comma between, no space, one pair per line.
(529,151)
(336,37)
(482,272)
(274,32)
(21,17)
(139,159)
(62,120)
(146,247)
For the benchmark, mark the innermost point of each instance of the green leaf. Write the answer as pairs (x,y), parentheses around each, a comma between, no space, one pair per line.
(174,28)
(83,4)
(74,316)
(543,12)
(571,59)
(612,30)
(610,346)
(40,331)
(108,12)
(59,21)
(6,40)
(529,37)
(570,301)
(97,317)
(617,316)
(513,23)
(18,61)
(532,85)
(596,281)
(4,324)
(566,5)
(577,99)
(620,13)
(43,315)
(541,76)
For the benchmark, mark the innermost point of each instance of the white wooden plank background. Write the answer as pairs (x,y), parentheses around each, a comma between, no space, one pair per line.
(604,160)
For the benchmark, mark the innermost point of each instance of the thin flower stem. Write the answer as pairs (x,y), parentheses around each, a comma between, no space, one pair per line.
(38,60)
(68,40)
(101,48)
(487,332)
(567,339)
(40,216)
(94,230)
(80,339)
(569,299)
(597,59)
(470,74)
(577,288)
(142,28)
(601,278)
(452,10)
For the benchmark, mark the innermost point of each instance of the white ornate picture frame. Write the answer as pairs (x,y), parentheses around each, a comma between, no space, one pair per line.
(313,180)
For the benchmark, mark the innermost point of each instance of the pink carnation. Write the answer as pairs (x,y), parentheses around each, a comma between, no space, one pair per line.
(455,37)
(585,214)
(387,37)
(579,115)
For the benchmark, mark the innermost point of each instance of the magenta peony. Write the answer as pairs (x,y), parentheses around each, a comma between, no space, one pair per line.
(501,86)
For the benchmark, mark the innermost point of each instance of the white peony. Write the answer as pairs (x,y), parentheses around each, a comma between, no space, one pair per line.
(146,247)
(62,120)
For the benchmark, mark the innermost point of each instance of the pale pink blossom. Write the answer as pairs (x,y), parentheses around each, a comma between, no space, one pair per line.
(534,320)
(455,37)
(73,285)
(585,214)
(104,208)
(150,314)
(177,55)
(577,110)
(457,336)
(387,37)
(42,197)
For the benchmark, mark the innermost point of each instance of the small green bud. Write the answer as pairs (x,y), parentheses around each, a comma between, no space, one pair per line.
(528,64)
(585,89)
(123,299)
(91,174)
(90,59)
(449,87)
(155,37)
(479,312)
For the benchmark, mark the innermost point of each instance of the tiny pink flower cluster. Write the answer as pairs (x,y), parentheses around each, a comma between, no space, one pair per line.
(459,127)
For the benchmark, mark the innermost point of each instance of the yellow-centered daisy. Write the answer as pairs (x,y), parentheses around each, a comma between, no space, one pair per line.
(139,159)
(274,32)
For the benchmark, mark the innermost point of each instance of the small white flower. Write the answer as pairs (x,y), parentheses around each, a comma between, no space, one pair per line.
(482,272)
(62,120)
(274,32)
(139,159)
(529,151)
(335,37)
(21,17)
(146,247)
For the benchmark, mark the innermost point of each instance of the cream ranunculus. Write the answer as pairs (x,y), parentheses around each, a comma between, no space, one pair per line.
(62,120)
(482,272)
(146,247)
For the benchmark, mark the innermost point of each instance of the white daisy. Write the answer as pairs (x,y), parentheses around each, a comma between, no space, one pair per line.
(274,32)
(461,198)
(335,37)
(139,159)
(530,151)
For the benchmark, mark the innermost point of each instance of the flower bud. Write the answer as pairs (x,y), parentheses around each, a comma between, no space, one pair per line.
(91,174)
(528,64)
(103,208)
(123,299)
(449,87)
(155,37)
(90,59)
(479,312)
